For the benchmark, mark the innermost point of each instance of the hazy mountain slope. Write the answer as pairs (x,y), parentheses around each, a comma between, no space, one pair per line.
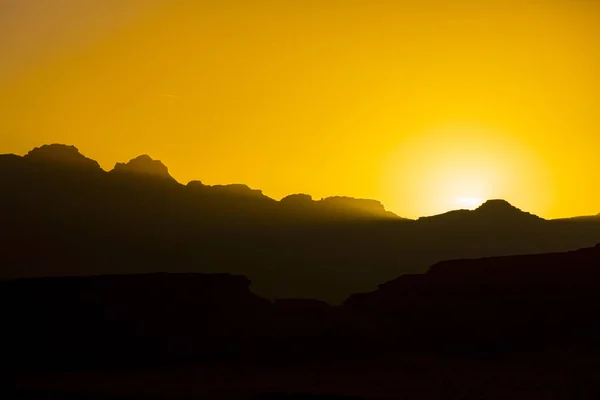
(63,215)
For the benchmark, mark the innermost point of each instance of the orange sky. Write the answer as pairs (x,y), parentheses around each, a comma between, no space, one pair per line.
(416,104)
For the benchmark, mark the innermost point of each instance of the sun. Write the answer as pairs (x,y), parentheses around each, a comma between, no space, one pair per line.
(453,166)
(469,203)
(457,166)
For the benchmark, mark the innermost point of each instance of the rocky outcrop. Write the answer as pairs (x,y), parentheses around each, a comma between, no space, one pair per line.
(238,190)
(502,209)
(299,199)
(59,154)
(491,214)
(366,207)
(303,205)
(144,165)
(492,303)
(233,191)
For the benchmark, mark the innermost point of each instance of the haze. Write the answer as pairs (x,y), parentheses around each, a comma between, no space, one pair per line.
(417,104)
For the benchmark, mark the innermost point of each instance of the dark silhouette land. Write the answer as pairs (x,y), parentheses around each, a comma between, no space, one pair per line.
(128,284)
(66,216)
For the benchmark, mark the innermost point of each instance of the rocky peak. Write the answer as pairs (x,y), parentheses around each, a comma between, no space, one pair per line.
(497,205)
(238,189)
(61,154)
(144,165)
(501,208)
(365,206)
(297,199)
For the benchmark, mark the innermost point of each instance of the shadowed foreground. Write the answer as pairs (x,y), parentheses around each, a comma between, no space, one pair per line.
(510,327)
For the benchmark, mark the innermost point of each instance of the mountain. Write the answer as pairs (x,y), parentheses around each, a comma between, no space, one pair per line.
(583,218)
(495,212)
(340,206)
(501,210)
(144,165)
(351,205)
(500,327)
(491,304)
(130,318)
(541,300)
(69,217)
(58,154)
(233,191)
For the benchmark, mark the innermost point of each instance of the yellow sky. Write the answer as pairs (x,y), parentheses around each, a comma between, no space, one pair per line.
(414,103)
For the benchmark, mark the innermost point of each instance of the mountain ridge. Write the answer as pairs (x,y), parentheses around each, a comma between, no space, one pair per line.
(66,220)
(62,155)
(144,165)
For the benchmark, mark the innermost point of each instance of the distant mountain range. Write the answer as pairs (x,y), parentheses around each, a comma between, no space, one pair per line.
(64,215)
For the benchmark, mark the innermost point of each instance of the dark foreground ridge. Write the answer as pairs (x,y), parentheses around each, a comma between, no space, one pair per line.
(65,216)
(507,326)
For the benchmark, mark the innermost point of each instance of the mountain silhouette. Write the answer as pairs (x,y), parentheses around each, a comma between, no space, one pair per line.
(238,191)
(299,199)
(340,206)
(495,212)
(351,205)
(493,304)
(511,322)
(67,216)
(222,291)
(501,209)
(59,154)
(144,165)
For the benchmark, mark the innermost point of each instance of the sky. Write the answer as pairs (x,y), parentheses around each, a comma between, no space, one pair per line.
(426,105)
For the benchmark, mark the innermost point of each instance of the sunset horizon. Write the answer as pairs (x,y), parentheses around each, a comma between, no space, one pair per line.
(462,203)
(418,105)
(300,199)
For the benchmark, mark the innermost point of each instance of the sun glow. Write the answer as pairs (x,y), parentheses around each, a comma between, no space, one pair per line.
(469,203)
(458,166)
(413,103)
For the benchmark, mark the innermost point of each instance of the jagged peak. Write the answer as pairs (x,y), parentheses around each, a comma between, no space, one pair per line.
(144,165)
(494,210)
(61,154)
(497,204)
(501,207)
